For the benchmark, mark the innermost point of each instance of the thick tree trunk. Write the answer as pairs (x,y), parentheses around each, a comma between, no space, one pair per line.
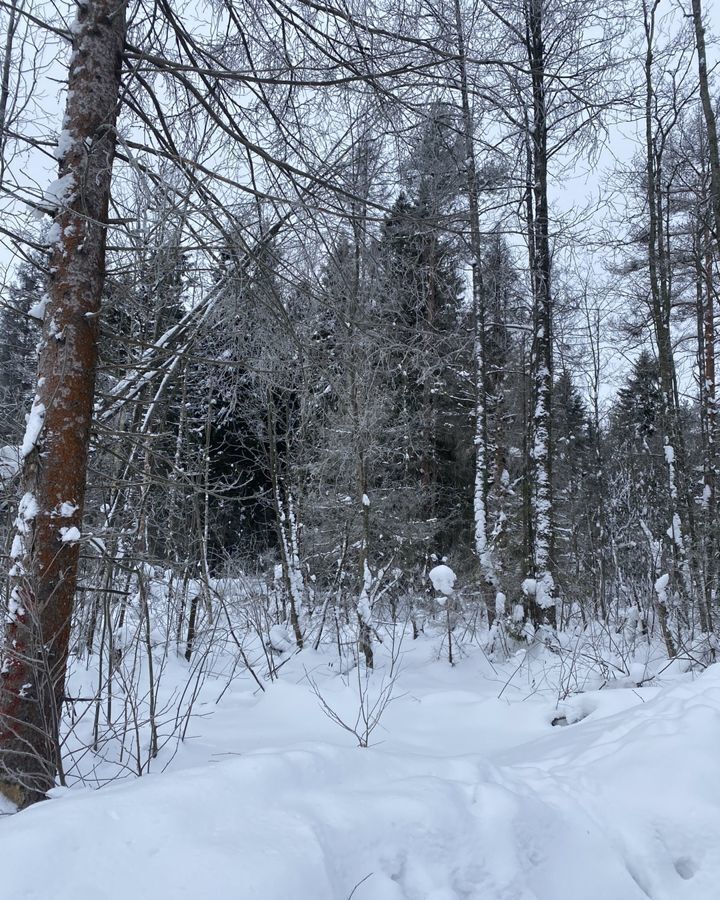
(55,448)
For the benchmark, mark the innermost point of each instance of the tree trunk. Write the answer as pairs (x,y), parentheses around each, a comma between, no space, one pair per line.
(710,405)
(12,14)
(483,550)
(544,597)
(55,448)
(659,267)
(709,114)
(708,414)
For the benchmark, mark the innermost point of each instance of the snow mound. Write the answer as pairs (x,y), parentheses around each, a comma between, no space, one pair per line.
(280,639)
(443,579)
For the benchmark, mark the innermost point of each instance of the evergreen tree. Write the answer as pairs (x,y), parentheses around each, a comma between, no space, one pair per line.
(572,466)
(640,496)
(422,291)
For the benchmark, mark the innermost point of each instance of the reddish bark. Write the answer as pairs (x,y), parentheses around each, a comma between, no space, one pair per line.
(37,632)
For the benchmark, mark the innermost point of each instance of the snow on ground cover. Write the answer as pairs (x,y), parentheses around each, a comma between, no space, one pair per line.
(443,579)
(468,793)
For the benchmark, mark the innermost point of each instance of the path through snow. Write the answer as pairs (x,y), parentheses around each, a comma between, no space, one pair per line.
(464,797)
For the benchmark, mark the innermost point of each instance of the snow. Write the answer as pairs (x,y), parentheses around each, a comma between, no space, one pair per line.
(468,793)
(54,234)
(27,508)
(661,588)
(37,310)
(279,639)
(17,548)
(15,608)
(674,532)
(364,610)
(65,143)
(544,591)
(70,535)
(9,462)
(443,579)
(34,423)
(59,192)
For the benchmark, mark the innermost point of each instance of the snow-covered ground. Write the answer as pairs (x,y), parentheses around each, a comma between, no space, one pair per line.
(466,792)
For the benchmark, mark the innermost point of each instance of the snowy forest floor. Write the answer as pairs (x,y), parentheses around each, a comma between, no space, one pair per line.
(466,792)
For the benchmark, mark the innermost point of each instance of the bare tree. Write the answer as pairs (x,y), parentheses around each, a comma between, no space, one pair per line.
(708,112)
